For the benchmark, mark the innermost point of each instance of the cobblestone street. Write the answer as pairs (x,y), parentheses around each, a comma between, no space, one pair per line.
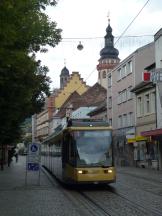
(31,200)
(136,192)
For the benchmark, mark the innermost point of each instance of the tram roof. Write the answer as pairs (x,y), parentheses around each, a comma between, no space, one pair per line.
(78,124)
(87,123)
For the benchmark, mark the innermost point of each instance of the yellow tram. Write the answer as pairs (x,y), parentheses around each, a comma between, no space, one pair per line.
(81,152)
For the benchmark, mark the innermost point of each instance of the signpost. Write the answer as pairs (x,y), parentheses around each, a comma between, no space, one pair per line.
(33,159)
(154,76)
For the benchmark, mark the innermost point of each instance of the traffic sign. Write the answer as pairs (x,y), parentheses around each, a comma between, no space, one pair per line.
(33,157)
(154,76)
(34,148)
(33,166)
(33,160)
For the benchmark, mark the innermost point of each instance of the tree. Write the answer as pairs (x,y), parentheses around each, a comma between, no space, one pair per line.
(24,30)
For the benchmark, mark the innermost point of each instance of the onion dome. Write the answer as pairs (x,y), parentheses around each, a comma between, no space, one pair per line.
(109,51)
(65,71)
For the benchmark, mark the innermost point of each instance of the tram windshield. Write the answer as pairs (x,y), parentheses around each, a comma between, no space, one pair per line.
(94,148)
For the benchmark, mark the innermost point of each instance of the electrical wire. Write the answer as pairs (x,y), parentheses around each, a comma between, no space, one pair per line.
(132,20)
(122,33)
(116,41)
(93,38)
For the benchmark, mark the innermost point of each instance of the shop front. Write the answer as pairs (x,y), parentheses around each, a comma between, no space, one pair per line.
(154,148)
(139,144)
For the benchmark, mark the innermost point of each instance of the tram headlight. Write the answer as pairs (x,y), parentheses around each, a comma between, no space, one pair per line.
(80,171)
(110,171)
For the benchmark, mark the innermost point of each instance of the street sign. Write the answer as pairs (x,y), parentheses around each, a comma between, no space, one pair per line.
(33,160)
(33,157)
(33,166)
(154,76)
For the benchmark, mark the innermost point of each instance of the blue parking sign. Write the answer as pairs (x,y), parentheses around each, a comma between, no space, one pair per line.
(33,166)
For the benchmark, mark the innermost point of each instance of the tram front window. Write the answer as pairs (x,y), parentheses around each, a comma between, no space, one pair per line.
(94,148)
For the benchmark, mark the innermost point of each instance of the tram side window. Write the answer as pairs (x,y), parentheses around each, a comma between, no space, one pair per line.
(68,149)
(71,151)
(65,149)
(58,148)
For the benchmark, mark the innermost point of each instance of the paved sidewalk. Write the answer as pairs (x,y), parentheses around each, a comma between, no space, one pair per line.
(16,198)
(144,173)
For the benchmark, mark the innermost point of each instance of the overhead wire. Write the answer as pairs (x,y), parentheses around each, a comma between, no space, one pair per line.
(122,34)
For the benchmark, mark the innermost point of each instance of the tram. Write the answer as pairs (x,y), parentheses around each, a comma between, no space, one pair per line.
(80,153)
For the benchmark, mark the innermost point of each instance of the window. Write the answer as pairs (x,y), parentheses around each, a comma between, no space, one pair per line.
(129,67)
(104,75)
(130,119)
(109,80)
(124,95)
(119,74)
(124,120)
(110,102)
(129,93)
(120,121)
(119,97)
(139,106)
(153,101)
(124,71)
(110,122)
(147,103)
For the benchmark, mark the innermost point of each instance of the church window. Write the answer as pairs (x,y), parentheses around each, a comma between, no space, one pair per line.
(104,75)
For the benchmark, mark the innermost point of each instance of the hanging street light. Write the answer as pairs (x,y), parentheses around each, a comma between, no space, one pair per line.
(80,46)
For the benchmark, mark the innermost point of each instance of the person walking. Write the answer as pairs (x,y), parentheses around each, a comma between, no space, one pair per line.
(16,154)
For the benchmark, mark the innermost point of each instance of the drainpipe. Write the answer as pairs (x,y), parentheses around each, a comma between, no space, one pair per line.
(158,150)
(2,167)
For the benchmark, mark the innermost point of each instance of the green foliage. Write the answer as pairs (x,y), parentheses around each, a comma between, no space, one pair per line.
(24,30)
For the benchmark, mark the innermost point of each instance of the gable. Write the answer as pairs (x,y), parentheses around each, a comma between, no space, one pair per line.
(75,83)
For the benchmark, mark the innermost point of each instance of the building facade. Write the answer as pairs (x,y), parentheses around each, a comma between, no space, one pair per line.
(145,149)
(121,102)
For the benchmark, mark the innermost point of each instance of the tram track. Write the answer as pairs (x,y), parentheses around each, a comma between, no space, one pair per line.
(141,177)
(103,202)
(135,204)
(111,208)
(85,205)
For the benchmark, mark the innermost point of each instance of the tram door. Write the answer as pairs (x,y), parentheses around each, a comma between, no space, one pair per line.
(68,151)
(64,149)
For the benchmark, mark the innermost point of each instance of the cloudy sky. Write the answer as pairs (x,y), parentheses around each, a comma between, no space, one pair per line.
(86,21)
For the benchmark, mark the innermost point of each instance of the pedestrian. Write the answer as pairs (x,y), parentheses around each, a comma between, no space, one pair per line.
(16,154)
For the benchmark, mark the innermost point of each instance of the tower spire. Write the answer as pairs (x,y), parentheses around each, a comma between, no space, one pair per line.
(108,16)
(64,62)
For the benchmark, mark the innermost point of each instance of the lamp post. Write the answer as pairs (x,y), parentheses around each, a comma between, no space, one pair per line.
(80,46)
(69,112)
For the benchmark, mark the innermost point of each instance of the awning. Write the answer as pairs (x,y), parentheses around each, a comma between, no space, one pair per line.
(136,139)
(155,132)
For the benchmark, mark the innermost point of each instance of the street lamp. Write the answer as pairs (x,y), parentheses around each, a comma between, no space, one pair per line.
(80,46)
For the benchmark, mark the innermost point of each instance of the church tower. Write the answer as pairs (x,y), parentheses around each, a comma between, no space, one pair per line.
(108,57)
(64,76)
